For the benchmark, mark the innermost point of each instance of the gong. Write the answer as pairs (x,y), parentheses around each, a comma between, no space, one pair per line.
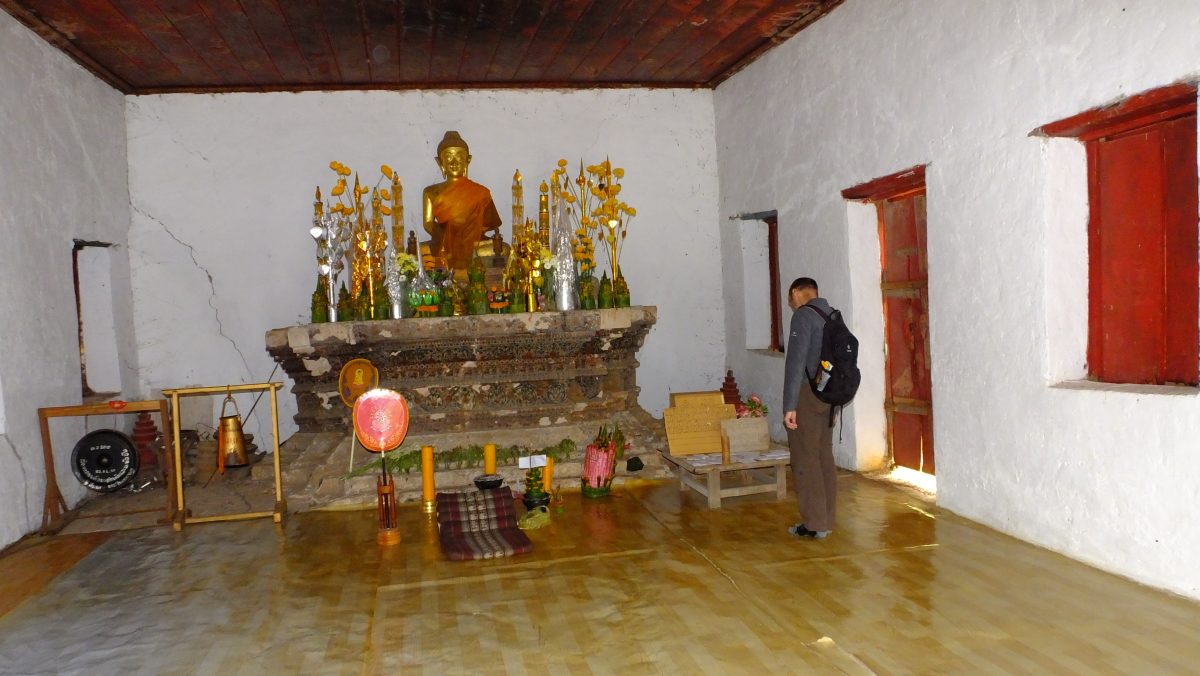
(104,460)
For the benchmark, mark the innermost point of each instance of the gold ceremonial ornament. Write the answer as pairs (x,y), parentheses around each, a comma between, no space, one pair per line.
(355,378)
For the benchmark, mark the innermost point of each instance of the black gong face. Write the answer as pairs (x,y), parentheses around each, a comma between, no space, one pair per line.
(104,460)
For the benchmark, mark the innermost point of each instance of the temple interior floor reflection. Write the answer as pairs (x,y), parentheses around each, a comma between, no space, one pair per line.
(646,581)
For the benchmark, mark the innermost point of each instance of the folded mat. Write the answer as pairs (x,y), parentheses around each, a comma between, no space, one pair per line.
(480,525)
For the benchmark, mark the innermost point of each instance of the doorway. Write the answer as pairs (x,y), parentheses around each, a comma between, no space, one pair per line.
(899,201)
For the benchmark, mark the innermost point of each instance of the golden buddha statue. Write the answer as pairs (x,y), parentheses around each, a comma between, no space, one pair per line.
(458,213)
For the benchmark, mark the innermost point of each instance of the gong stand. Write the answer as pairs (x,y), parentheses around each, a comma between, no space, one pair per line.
(54,506)
(181,515)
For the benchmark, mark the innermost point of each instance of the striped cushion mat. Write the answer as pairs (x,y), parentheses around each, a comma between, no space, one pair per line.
(480,525)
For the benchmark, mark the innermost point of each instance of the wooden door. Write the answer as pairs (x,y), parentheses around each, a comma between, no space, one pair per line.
(905,286)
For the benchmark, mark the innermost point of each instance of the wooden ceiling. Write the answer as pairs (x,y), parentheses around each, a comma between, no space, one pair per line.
(157,46)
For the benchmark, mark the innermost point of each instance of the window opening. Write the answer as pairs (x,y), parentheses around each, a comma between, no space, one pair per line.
(1143,295)
(99,363)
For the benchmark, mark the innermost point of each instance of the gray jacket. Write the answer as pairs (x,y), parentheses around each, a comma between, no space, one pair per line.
(803,351)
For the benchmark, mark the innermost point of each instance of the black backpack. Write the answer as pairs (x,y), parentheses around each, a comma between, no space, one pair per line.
(837,385)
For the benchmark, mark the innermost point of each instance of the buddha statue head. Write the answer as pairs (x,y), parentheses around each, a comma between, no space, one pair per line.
(453,156)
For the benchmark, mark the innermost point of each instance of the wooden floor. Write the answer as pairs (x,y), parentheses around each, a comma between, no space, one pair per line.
(647,581)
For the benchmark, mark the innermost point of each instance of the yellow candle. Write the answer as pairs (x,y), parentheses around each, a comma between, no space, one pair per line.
(548,475)
(427,487)
(489,458)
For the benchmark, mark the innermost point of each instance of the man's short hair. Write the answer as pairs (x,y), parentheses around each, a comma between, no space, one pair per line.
(804,283)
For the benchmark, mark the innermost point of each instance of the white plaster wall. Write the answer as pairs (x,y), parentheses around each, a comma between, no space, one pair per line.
(62,176)
(1108,477)
(221,189)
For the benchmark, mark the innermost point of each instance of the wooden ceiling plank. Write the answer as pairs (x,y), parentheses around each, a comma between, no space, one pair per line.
(750,56)
(251,45)
(552,33)
(689,29)
(107,36)
(269,24)
(194,23)
(587,33)
(720,54)
(618,36)
(416,41)
(381,23)
(50,34)
(342,25)
(305,22)
(236,30)
(648,36)
(488,27)
(489,42)
(518,34)
(159,31)
(719,24)
(451,25)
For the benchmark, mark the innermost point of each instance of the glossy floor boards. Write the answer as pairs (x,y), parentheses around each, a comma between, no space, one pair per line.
(647,581)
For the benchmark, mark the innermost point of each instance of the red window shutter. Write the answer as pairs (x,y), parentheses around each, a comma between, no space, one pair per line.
(1143,281)
(1182,248)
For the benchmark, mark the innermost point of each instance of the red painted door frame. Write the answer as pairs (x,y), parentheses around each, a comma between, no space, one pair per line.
(899,201)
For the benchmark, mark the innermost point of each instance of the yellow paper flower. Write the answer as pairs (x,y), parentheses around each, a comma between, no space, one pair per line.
(387,171)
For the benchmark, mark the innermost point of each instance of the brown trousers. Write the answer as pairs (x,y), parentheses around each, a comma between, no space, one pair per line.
(814,476)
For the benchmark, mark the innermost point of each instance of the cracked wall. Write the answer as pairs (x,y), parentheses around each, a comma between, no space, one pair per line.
(64,172)
(1106,475)
(221,190)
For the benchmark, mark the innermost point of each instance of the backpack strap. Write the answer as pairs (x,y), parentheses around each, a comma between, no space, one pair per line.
(826,317)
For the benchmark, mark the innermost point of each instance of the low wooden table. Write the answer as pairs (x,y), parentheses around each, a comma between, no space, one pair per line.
(689,469)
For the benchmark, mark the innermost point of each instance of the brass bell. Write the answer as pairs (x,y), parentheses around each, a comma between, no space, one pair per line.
(231,442)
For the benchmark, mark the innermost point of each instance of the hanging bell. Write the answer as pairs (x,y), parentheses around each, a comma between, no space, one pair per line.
(231,442)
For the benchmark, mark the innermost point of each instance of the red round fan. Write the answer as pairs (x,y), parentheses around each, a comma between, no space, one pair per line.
(380,419)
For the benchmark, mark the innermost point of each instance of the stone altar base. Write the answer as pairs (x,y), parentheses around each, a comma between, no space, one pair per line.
(316,464)
(527,380)
(485,372)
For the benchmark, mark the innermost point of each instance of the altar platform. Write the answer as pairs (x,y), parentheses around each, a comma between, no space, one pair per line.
(474,373)
(530,379)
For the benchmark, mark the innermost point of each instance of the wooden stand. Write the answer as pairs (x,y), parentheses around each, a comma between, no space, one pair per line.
(181,515)
(690,468)
(54,505)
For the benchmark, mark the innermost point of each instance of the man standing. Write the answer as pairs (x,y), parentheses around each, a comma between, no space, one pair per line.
(810,438)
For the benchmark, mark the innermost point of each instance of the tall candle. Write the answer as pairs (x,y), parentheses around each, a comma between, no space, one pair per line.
(548,475)
(427,487)
(518,204)
(397,214)
(489,458)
